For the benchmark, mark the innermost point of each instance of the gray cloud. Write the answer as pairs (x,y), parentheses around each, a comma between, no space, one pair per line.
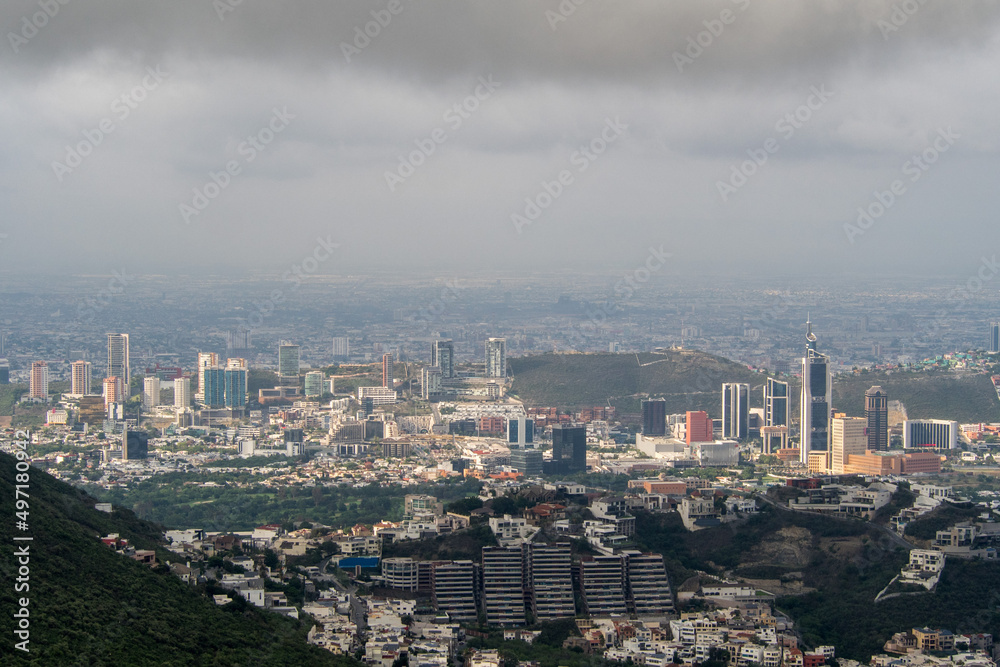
(354,121)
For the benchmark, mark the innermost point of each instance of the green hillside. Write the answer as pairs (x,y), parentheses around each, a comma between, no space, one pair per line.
(692,380)
(91,606)
(937,394)
(687,379)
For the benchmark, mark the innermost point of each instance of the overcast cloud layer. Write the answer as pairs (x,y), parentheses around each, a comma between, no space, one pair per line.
(741,135)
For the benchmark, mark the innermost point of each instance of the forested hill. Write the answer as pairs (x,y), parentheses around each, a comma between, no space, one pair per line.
(91,606)
(692,380)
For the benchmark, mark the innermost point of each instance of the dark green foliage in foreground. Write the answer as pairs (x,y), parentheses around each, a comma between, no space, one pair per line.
(167,499)
(461,545)
(965,600)
(940,518)
(91,606)
(716,549)
(901,499)
(464,506)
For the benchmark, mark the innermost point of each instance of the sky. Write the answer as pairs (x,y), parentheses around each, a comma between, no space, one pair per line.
(729,137)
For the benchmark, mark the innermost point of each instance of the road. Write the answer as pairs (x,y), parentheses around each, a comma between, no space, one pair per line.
(358,608)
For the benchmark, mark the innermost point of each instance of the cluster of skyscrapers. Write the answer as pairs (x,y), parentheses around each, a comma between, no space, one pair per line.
(442,367)
(822,433)
(569,448)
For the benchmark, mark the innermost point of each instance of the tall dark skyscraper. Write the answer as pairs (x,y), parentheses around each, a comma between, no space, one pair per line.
(877,414)
(569,448)
(994,337)
(443,356)
(735,410)
(775,403)
(135,445)
(817,390)
(654,417)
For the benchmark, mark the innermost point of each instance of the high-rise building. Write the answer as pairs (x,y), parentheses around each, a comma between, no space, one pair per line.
(341,347)
(182,393)
(602,582)
(648,586)
(847,437)
(877,414)
(936,433)
(314,383)
(214,378)
(288,360)
(135,445)
(520,431)
(654,417)
(443,356)
(735,410)
(569,448)
(496,357)
(294,441)
(205,360)
(378,395)
(817,392)
(80,378)
(150,392)
(430,382)
(38,382)
(4,371)
(503,585)
(699,427)
(550,581)
(237,362)
(525,457)
(994,337)
(118,359)
(235,392)
(401,573)
(387,378)
(113,391)
(92,410)
(454,585)
(776,409)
